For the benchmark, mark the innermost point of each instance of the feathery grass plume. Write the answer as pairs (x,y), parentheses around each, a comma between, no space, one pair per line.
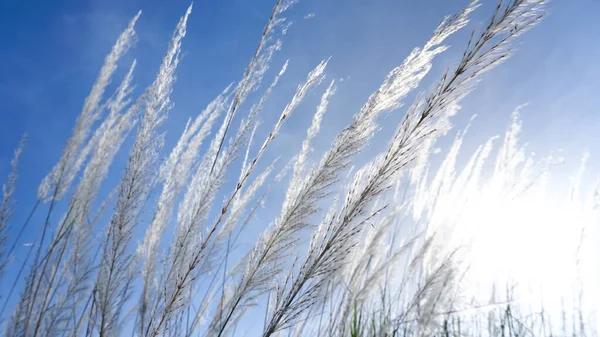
(481,56)
(201,189)
(57,182)
(114,276)
(425,120)
(313,78)
(445,196)
(208,178)
(501,190)
(512,193)
(484,51)
(372,261)
(188,209)
(300,164)
(355,307)
(228,305)
(513,166)
(445,203)
(259,105)
(61,287)
(7,205)
(238,210)
(176,173)
(190,245)
(242,199)
(200,196)
(177,169)
(77,269)
(270,43)
(53,188)
(106,142)
(232,239)
(206,174)
(441,203)
(302,198)
(442,183)
(250,81)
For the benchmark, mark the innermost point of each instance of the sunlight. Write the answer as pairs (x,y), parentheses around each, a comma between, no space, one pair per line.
(523,234)
(533,245)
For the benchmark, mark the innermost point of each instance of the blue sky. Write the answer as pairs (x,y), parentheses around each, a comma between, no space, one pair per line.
(51,52)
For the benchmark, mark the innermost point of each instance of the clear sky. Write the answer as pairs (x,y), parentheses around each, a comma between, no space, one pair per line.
(51,51)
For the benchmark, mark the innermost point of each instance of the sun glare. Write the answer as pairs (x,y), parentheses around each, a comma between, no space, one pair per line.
(533,244)
(523,234)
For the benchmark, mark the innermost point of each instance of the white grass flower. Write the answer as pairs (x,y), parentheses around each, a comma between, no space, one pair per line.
(57,182)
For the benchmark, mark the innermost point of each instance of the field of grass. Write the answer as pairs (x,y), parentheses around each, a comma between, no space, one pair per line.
(409,243)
